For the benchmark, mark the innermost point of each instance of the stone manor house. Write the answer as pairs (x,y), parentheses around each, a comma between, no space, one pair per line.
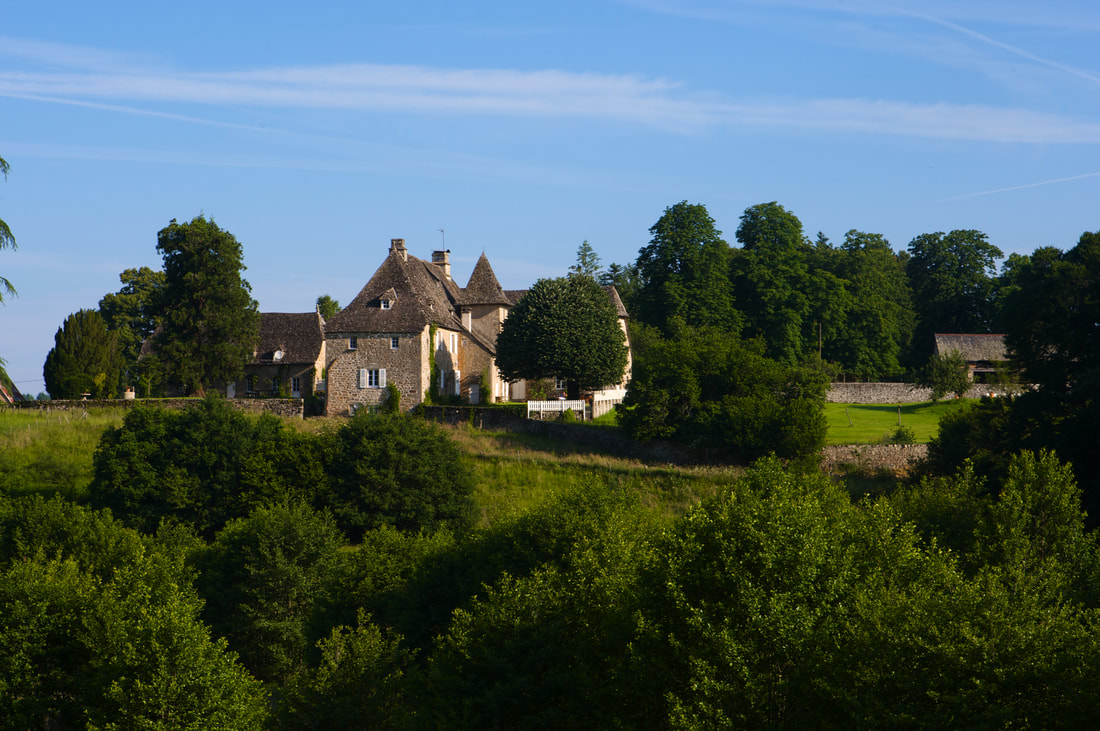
(410,313)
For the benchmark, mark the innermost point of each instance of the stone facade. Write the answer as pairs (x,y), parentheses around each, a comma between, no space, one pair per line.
(410,324)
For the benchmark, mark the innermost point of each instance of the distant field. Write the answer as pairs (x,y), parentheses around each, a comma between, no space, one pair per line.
(873,423)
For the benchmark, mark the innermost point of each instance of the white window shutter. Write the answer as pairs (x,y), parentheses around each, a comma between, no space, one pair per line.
(458,383)
(381,377)
(362,378)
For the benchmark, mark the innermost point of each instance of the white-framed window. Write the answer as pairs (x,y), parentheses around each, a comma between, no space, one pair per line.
(560,384)
(442,379)
(372,378)
(296,384)
(385,304)
(353,343)
(454,342)
(458,383)
(394,342)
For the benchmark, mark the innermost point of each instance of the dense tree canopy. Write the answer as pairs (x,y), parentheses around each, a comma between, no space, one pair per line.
(952,279)
(131,313)
(712,391)
(877,329)
(202,466)
(209,321)
(683,273)
(565,328)
(85,358)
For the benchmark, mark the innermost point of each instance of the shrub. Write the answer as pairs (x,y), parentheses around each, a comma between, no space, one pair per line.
(203,466)
(398,471)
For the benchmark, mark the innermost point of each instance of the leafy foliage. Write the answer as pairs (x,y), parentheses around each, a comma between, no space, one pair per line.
(327,306)
(394,470)
(772,281)
(358,683)
(99,627)
(85,358)
(946,374)
(952,279)
(683,273)
(131,313)
(260,578)
(209,321)
(565,327)
(712,391)
(203,466)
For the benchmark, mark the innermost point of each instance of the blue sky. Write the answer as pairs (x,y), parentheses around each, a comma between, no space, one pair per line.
(317,133)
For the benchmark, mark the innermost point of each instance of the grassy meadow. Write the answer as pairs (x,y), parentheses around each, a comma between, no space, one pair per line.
(51,453)
(875,423)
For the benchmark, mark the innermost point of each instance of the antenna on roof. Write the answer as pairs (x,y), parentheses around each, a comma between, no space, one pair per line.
(444,235)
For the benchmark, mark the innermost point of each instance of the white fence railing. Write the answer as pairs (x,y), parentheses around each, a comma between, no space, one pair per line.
(601,406)
(554,407)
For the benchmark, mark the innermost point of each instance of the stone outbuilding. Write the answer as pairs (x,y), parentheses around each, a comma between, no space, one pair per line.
(288,360)
(983,353)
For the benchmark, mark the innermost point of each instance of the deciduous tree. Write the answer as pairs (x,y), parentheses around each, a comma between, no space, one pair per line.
(209,321)
(131,313)
(683,273)
(772,282)
(952,279)
(566,328)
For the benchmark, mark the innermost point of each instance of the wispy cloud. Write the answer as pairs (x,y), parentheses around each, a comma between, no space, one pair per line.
(630,99)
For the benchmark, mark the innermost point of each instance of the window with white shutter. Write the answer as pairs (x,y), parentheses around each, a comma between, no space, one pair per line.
(381,377)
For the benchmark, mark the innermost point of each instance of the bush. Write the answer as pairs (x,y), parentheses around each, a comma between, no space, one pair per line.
(203,466)
(901,435)
(714,392)
(398,471)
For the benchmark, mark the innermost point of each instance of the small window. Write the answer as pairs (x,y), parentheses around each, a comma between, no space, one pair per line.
(385,304)
(353,343)
(296,384)
(394,342)
(372,378)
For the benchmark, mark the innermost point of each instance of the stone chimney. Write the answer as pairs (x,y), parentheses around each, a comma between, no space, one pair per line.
(398,245)
(442,259)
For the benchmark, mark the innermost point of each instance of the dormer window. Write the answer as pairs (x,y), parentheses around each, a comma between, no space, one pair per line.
(386,304)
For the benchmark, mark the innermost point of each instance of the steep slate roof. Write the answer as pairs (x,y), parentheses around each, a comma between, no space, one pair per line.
(973,348)
(483,287)
(421,294)
(297,335)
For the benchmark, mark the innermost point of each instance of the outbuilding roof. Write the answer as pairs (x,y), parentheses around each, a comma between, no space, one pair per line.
(289,337)
(974,348)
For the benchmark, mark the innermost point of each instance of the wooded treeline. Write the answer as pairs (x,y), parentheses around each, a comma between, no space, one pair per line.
(857,309)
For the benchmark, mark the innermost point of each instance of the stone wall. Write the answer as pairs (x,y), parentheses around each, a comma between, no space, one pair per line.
(895,393)
(896,459)
(285,407)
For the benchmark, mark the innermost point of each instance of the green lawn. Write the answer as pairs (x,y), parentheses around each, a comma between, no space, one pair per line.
(873,423)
